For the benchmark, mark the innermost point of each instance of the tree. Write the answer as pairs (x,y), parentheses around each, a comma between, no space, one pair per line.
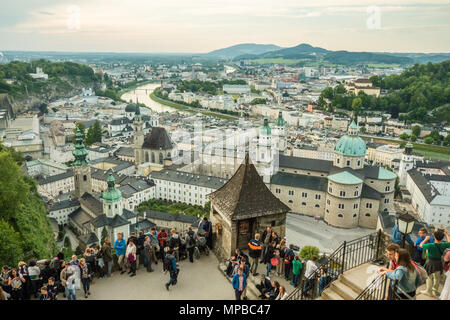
(447,141)
(356,105)
(416,131)
(82,128)
(308,252)
(94,133)
(428,140)
(362,129)
(11,251)
(104,234)
(413,138)
(404,136)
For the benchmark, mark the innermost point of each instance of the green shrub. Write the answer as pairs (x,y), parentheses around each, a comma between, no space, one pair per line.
(308,252)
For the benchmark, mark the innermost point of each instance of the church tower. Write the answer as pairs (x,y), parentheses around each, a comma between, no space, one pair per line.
(407,163)
(265,151)
(280,132)
(138,139)
(112,199)
(81,167)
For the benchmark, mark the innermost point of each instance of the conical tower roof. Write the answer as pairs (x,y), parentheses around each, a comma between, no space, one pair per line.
(80,153)
(245,195)
(280,121)
(112,194)
(265,129)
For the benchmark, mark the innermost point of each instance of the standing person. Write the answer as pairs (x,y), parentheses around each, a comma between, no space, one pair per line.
(445,293)
(288,258)
(162,238)
(297,267)
(174,243)
(207,227)
(276,238)
(283,294)
(148,254)
(76,264)
(190,243)
(85,277)
(323,280)
(5,279)
(255,250)
(71,275)
(107,255)
(34,273)
(22,269)
(140,249)
(434,266)
(131,257)
(170,264)
(239,283)
(16,281)
(89,258)
(120,247)
(269,255)
(310,271)
(406,274)
(61,267)
(154,243)
(266,239)
(419,255)
(100,261)
(278,256)
(63,277)
(246,268)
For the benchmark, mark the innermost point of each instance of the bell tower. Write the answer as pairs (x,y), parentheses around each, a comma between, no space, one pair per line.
(81,167)
(138,139)
(407,163)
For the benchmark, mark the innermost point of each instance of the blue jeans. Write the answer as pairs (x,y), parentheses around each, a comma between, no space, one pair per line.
(70,294)
(295,279)
(109,265)
(173,279)
(269,267)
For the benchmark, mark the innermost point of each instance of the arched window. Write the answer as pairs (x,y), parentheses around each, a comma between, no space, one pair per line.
(317,206)
(168,155)
(161,158)
(84,178)
(303,203)
(146,157)
(367,214)
(340,215)
(354,215)
(153,157)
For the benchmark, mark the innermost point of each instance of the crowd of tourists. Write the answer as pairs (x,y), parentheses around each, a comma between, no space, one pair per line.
(45,280)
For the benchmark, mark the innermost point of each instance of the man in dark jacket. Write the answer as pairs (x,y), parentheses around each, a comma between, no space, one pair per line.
(133,238)
(207,227)
(140,248)
(264,286)
(266,239)
(107,255)
(175,243)
(254,251)
(190,243)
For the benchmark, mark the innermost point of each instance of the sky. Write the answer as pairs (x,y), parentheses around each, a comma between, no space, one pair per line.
(198,26)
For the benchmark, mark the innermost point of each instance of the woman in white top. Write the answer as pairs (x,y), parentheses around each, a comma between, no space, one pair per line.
(34,273)
(130,254)
(283,294)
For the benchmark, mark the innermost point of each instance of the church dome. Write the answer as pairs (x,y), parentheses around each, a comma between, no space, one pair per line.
(352,146)
(112,194)
(130,108)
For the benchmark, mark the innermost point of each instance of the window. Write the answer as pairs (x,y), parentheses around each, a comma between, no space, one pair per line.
(348,162)
(355,206)
(341,206)
(330,190)
(340,215)
(368,205)
(337,160)
(356,193)
(354,215)
(359,163)
(115,206)
(304,195)
(317,206)
(328,201)
(388,188)
(291,192)
(386,200)
(317,196)
(367,214)
(303,203)
(342,193)
(84,178)
(277,190)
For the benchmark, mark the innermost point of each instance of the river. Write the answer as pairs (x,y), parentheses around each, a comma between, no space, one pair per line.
(142,93)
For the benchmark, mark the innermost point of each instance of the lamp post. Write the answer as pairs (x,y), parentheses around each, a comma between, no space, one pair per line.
(405,224)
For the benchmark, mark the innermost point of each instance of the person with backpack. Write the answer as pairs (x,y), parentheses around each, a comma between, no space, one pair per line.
(406,274)
(419,255)
(288,258)
(434,265)
(175,243)
(190,243)
(254,251)
(170,264)
(445,293)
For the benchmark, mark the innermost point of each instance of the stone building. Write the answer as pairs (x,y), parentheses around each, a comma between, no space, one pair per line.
(81,167)
(242,207)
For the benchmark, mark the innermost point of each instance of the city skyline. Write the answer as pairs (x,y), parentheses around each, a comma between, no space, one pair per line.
(202,26)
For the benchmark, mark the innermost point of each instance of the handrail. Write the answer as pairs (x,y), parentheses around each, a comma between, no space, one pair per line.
(348,255)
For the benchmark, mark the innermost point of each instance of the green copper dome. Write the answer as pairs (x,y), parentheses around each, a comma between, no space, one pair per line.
(280,121)
(111,194)
(80,153)
(351,144)
(265,129)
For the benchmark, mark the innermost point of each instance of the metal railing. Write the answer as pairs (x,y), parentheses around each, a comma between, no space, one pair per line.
(382,288)
(347,256)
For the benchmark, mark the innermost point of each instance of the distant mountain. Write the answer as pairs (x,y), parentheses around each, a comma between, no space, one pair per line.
(309,53)
(244,48)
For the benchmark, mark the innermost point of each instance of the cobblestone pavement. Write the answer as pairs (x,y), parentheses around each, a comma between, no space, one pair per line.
(198,280)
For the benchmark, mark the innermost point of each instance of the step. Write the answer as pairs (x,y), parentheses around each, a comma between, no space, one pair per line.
(329,294)
(349,282)
(252,291)
(343,290)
